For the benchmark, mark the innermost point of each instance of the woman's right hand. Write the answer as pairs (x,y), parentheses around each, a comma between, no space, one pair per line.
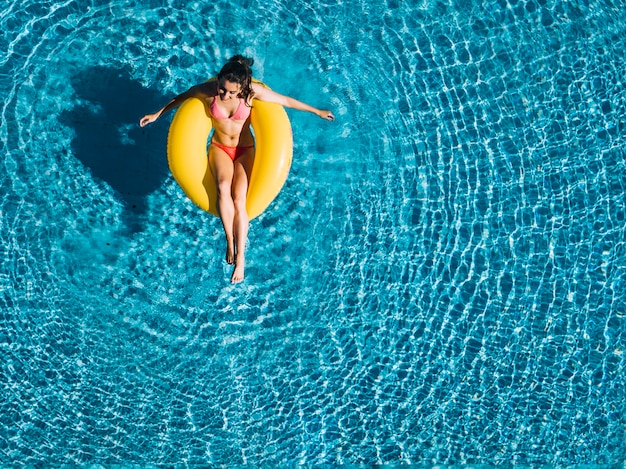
(148,119)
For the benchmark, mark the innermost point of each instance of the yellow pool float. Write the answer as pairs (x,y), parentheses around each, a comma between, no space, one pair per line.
(187,154)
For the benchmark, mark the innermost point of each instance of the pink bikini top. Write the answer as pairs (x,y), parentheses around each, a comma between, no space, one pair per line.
(242,112)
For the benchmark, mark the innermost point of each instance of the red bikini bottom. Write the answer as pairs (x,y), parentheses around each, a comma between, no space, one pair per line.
(232,152)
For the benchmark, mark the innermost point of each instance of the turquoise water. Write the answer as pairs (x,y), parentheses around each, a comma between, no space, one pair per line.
(442,279)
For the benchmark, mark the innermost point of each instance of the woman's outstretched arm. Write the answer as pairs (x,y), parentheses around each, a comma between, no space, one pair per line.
(265,94)
(194,91)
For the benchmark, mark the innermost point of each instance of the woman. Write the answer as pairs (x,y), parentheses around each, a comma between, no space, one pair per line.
(231,152)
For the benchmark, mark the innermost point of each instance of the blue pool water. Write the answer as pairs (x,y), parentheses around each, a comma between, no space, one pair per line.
(442,279)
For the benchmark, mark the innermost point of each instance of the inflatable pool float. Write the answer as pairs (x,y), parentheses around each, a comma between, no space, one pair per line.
(187,154)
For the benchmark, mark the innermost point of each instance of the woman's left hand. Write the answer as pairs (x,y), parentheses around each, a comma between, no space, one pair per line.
(326,115)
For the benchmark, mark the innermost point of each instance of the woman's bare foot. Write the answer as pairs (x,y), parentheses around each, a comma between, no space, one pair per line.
(238,271)
(230,253)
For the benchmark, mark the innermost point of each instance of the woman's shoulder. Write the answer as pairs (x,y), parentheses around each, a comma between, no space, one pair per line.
(208,88)
(257,88)
(259,91)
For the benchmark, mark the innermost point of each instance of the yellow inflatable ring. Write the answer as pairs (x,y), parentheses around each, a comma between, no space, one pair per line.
(188,162)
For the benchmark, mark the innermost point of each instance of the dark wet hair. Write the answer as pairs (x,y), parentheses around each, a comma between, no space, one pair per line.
(238,70)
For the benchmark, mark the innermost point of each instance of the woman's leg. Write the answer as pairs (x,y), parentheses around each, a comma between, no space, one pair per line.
(241,179)
(223,171)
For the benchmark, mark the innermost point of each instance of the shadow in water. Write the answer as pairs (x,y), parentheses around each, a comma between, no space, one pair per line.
(109,141)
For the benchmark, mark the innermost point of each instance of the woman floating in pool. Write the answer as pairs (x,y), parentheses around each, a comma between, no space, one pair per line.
(231,153)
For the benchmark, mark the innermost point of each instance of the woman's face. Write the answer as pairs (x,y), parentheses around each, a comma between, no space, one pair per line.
(228,89)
